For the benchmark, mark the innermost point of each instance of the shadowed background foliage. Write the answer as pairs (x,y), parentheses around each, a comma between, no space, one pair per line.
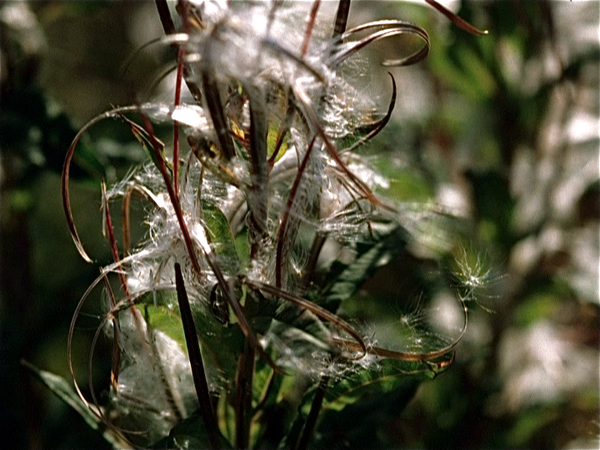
(504,128)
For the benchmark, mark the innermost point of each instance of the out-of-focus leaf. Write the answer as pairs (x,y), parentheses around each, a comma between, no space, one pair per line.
(462,73)
(528,425)
(189,434)
(494,205)
(32,128)
(541,302)
(64,391)
(409,185)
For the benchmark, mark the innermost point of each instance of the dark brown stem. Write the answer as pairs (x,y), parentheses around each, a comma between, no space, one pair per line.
(169,28)
(313,415)
(165,19)
(198,373)
(215,108)
(341,18)
(243,400)
(313,257)
(180,71)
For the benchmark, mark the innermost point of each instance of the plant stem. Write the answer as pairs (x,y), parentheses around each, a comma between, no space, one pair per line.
(341,18)
(187,239)
(309,28)
(165,18)
(199,375)
(215,108)
(243,401)
(169,27)
(313,257)
(313,415)
(258,194)
(180,57)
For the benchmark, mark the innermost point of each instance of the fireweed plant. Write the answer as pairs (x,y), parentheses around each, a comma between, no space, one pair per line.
(227,320)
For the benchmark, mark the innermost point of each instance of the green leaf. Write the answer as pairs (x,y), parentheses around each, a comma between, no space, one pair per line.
(295,329)
(279,310)
(161,312)
(360,402)
(189,434)
(528,424)
(302,344)
(362,424)
(385,377)
(347,278)
(221,344)
(65,392)
(355,409)
(220,235)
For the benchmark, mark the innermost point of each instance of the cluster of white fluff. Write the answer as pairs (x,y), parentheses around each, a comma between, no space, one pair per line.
(276,70)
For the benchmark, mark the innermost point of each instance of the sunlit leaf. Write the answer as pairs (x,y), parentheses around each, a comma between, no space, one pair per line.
(162,313)
(220,234)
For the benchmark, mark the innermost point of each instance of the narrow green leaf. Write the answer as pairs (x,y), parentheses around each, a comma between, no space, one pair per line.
(65,392)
